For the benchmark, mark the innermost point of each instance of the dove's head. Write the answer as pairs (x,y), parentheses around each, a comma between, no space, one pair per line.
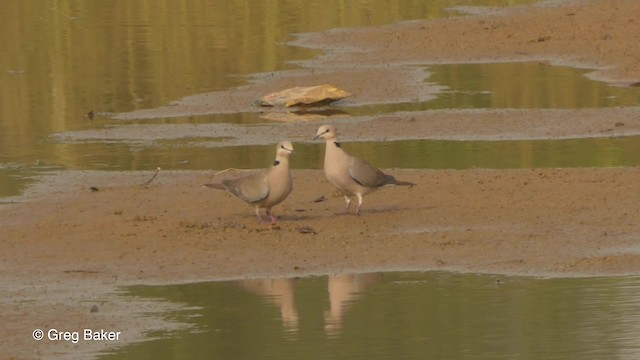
(284,149)
(327,132)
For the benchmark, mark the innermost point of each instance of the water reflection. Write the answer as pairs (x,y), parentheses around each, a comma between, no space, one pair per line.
(207,154)
(401,316)
(278,292)
(343,290)
(301,115)
(527,85)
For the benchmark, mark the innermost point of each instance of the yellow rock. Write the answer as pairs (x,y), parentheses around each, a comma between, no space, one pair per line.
(304,96)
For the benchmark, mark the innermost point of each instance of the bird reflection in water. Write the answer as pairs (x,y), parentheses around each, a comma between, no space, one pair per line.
(342,290)
(278,292)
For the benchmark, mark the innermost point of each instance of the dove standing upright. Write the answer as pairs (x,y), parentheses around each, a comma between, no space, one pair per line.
(266,188)
(351,175)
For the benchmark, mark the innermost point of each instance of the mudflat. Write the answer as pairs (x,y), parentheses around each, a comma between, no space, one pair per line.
(74,237)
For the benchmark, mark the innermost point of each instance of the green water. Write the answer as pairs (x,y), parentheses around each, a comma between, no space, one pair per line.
(61,59)
(526,85)
(399,316)
(414,154)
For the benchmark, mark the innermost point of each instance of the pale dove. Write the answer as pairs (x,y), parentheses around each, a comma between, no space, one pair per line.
(266,188)
(351,175)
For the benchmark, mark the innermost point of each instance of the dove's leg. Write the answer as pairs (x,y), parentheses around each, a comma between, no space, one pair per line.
(357,212)
(274,220)
(258,215)
(348,201)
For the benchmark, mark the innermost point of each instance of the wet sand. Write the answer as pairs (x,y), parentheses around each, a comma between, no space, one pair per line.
(67,248)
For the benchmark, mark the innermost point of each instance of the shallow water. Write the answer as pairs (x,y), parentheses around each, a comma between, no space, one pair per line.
(60,60)
(204,153)
(522,85)
(406,315)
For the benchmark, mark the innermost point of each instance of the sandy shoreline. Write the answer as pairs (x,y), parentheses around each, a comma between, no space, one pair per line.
(81,245)
(175,219)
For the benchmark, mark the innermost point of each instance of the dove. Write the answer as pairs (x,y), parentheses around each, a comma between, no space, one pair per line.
(266,188)
(353,176)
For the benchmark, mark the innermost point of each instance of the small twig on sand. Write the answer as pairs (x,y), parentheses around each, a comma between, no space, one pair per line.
(153,177)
